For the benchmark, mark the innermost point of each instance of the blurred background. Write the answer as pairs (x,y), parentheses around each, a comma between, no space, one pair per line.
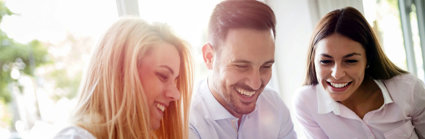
(45,46)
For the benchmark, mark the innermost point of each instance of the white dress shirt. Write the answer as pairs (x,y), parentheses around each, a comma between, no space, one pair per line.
(210,120)
(402,116)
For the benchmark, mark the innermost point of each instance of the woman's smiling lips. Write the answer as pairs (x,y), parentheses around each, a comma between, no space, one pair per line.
(338,87)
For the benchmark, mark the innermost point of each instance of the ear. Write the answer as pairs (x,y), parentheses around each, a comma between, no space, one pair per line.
(208,55)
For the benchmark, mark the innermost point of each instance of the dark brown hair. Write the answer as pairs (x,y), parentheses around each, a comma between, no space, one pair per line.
(232,14)
(350,23)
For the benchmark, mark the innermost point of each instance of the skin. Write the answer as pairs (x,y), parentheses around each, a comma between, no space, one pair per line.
(340,65)
(158,70)
(241,64)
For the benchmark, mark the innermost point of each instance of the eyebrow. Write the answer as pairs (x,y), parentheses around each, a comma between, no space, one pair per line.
(348,55)
(269,62)
(168,68)
(245,61)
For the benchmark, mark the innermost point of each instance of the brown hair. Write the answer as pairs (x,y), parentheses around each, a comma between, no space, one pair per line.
(350,23)
(232,14)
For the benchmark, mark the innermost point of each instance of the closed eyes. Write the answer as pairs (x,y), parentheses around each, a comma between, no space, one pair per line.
(326,62)
(162,77)
(351,61)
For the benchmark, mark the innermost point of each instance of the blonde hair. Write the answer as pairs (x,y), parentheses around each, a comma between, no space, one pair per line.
(112,102)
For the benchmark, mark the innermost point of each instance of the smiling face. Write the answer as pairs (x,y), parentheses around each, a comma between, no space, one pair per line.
(241,68)
(158,71)
(340,65)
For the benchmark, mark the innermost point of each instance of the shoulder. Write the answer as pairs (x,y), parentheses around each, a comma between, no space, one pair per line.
(73,132)
(405,88)
(305,101)
(270,100)
(404,79)
(271,97)
(402,83)
(305,94)
(198,107)
(198,97)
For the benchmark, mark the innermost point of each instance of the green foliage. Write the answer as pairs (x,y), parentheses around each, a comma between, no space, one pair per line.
(4,10)
(70,85)
(13,54)
(393,3)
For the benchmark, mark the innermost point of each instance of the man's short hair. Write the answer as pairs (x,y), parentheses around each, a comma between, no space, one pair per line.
(233,14)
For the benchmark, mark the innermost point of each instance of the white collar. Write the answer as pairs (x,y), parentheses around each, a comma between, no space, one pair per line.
(218,111)
(326,104)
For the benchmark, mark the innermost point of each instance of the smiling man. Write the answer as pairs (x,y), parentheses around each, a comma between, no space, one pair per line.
(234,102)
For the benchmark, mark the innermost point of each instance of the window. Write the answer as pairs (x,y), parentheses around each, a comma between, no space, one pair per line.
(67,30)
(412,19)
(398,27)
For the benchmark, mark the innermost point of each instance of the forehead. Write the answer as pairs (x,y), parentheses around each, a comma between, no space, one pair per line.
(338,45)
(249,44)
(162,54)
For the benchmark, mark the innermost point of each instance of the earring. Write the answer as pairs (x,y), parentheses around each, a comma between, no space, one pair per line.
(367,66)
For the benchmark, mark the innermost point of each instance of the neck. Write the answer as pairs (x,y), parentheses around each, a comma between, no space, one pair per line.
(366,98)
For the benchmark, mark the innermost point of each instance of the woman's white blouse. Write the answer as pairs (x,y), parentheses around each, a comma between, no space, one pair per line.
(74,132)
(402,116)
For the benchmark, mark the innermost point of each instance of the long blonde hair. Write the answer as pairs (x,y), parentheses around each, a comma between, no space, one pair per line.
(112,102)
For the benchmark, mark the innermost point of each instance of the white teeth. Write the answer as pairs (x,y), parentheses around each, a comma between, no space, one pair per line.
(160,107)
(245,92)
(339,85)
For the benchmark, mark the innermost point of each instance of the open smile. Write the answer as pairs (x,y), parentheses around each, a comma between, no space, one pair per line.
(339,87)
(160,107)
(245,92)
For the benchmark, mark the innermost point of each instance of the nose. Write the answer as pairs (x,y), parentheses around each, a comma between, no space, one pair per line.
(338,71)
(173,93)
(255,80)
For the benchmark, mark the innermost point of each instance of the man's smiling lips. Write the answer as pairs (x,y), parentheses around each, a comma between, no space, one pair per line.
(245,92)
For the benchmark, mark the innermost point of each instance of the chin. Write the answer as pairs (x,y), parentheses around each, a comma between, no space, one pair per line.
(338,98)
(246,109)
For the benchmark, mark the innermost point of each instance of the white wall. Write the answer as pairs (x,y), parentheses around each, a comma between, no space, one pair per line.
(293,30)
(325,6)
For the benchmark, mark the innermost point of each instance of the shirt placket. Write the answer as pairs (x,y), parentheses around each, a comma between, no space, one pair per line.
(367,130)
(349,114)
(234,123)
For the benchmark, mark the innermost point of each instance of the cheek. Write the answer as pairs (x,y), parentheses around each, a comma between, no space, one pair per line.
(151,87)
(266,75)
(153,90)
(232,76)
(360,73)
(226,78)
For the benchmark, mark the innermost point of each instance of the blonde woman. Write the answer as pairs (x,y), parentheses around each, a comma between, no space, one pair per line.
(138,85)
